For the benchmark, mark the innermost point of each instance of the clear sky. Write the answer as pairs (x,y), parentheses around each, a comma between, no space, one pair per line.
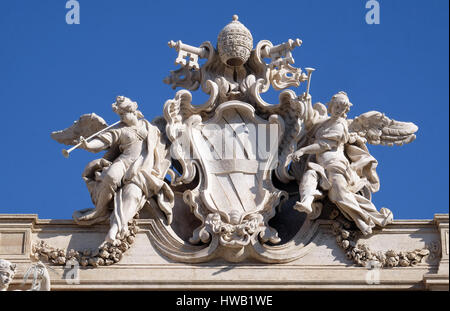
(52,72)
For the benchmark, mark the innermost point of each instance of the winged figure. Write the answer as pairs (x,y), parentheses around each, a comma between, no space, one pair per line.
(337,160)
(130,173)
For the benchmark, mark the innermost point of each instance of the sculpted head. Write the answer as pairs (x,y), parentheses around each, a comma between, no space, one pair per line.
(339,105)
(127,110)
(7,272)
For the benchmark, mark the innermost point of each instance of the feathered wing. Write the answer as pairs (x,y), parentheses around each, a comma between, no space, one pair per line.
(378,129)
(85,126)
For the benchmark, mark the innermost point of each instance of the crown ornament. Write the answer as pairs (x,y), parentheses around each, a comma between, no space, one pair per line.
(234,43)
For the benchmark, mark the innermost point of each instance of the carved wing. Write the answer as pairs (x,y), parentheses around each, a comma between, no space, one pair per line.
(85,126)
(381,130)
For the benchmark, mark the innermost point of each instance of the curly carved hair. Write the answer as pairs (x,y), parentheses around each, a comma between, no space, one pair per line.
(340,98)
(124,104)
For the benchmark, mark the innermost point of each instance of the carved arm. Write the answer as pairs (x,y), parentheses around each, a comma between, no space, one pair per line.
(310,149)
(95,145)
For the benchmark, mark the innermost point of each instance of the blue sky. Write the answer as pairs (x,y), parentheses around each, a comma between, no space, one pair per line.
(51,73)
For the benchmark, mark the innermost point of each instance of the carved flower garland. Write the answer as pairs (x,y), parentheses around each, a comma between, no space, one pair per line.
(363,256)
(105,255)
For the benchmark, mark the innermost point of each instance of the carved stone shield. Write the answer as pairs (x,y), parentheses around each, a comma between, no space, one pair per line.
(229,152)
(237,151)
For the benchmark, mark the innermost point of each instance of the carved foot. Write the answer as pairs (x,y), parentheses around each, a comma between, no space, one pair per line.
(304,206)
(111,241)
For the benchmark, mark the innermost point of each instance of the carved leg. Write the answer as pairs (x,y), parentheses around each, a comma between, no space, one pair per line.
(112,234)
(127,202)
(346,201)
(308,192)
(102,195)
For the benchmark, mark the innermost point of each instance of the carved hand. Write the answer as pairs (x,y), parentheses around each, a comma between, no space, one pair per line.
(297,155)
(355,138)
(83,142)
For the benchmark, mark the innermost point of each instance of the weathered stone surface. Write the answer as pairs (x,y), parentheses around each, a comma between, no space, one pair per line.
(220,160)
(203,196)
(323,264)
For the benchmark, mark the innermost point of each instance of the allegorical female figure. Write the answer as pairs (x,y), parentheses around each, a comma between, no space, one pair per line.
(131,172)
(341,164)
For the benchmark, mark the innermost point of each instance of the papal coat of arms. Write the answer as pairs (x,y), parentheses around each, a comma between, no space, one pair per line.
(236,162)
